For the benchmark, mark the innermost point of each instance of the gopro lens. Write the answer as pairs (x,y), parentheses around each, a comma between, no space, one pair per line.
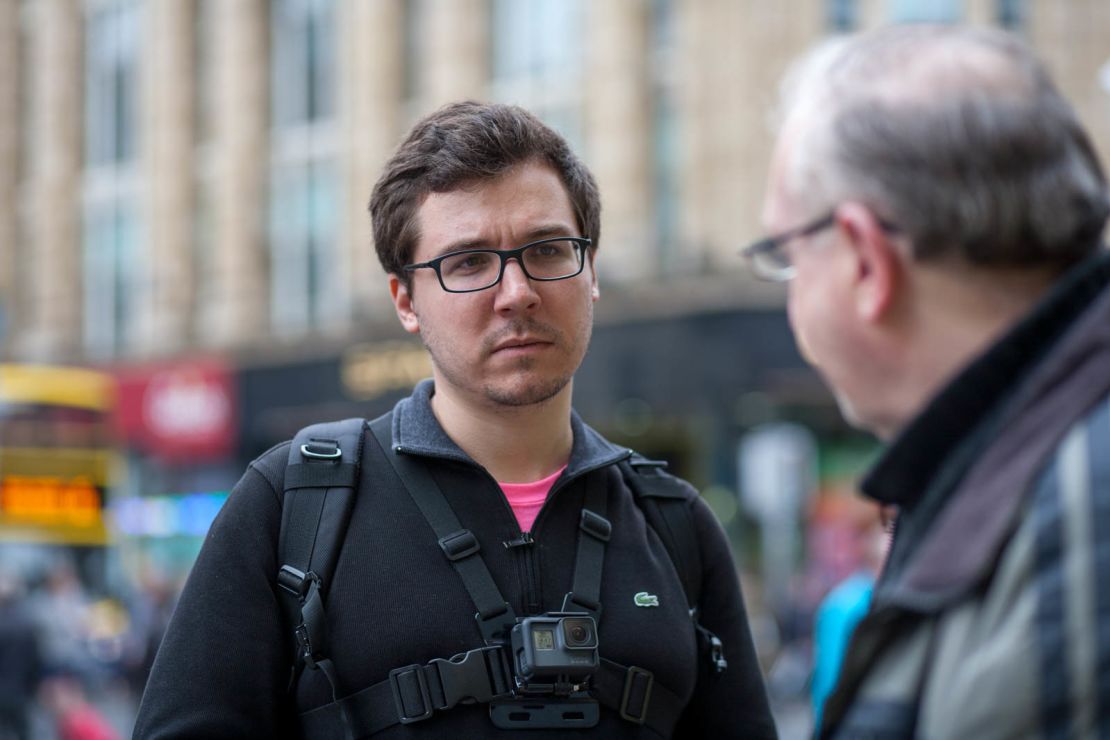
(579,633)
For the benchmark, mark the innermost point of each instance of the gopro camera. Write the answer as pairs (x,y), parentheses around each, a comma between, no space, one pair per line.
(556,648)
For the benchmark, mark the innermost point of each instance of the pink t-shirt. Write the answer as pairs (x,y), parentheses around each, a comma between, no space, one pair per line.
(527,499)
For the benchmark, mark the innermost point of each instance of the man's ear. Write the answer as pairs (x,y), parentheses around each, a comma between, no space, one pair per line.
(595,292)
(403,304)
(878,264)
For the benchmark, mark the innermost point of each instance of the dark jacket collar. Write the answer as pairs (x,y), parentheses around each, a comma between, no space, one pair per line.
(961,469)
(957,422)
(417,431)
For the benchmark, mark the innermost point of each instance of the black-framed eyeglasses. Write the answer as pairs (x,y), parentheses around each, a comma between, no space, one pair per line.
(768,258)
(470,270)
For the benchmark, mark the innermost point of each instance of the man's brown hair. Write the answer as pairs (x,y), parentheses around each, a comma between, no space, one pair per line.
(459,144)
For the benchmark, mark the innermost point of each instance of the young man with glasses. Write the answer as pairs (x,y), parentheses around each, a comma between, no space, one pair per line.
(940,211)
(505,569)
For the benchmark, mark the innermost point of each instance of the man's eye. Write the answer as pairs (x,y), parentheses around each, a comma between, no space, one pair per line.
(467,262)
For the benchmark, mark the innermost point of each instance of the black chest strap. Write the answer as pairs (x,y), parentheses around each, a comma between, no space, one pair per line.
(414,693)
(494,617)
(593,534)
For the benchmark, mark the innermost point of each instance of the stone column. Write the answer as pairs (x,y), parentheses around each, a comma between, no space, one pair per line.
(369,114)
(1070,36)
(10,131)
(458,40)
(618,131)
(238,310)
(733,54)
(53,188)
(166,120)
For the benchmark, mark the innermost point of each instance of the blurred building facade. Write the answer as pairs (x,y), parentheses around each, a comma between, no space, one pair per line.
(183,180)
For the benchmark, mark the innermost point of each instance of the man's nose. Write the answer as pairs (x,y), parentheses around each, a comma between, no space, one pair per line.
(515,289)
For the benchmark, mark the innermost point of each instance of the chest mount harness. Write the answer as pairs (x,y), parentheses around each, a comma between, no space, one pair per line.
(540,672)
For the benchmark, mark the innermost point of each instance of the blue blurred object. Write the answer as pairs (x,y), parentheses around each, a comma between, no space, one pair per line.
(837,617)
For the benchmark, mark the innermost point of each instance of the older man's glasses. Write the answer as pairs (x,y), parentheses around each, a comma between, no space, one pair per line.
(770,260)
(471,270)
(768,257)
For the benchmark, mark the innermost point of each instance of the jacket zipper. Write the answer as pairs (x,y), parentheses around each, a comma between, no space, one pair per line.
(526,540)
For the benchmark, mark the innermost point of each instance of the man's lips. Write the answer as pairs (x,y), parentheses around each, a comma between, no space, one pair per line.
(524,343)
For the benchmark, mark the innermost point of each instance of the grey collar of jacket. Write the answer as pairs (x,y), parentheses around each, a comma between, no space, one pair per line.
(416,431)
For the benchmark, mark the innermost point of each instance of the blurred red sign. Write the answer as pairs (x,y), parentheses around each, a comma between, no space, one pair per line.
(182,411)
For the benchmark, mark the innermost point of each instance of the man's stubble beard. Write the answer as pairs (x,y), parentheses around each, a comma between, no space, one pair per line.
(540,390)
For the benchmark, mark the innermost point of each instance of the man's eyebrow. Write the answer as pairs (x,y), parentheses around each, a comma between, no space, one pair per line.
(540,232)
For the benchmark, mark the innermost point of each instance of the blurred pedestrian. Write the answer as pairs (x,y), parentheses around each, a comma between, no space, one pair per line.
(938,212)
(75,717)
(486,510)
(20,659)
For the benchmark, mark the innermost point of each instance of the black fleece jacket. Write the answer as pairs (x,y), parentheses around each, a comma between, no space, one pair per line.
(223,667)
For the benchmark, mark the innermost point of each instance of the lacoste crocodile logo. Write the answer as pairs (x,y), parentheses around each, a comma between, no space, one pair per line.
(645,599)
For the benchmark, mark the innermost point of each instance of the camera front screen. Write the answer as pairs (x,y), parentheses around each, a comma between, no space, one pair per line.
(543,639)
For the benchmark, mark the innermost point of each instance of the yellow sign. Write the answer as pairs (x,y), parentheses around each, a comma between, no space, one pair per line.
(95,465)
(51,510)
(56,385)
(372,369)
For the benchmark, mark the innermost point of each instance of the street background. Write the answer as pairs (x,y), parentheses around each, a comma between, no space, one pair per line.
(187,277)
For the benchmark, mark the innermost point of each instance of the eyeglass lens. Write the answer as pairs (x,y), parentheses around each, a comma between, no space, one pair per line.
(474,270)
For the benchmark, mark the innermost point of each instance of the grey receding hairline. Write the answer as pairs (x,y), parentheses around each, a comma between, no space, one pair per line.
(967,82)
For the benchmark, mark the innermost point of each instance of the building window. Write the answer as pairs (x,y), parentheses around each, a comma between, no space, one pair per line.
(113,263)
(537,48)
(303,61)
(1012,14)
(305,274)
(307,286)
(841,16)
(111,254)
(925,11)
(112,41)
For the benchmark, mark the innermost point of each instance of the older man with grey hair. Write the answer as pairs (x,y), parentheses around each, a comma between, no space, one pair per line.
(939,213)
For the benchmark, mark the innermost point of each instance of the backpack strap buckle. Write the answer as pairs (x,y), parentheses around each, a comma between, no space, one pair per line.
(321,449)
(295,581)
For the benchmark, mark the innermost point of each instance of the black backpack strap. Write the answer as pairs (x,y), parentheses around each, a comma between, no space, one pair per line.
(593,533)
(495,617)
(321,479)
(664,501)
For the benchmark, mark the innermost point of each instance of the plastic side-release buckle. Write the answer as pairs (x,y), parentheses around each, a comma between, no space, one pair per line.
(416,687)
(638,683)
(479,675)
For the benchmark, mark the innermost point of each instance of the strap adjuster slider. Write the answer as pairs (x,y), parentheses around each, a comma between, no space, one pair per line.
(404,673)
(637,694)
(459,545)
(595,525)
